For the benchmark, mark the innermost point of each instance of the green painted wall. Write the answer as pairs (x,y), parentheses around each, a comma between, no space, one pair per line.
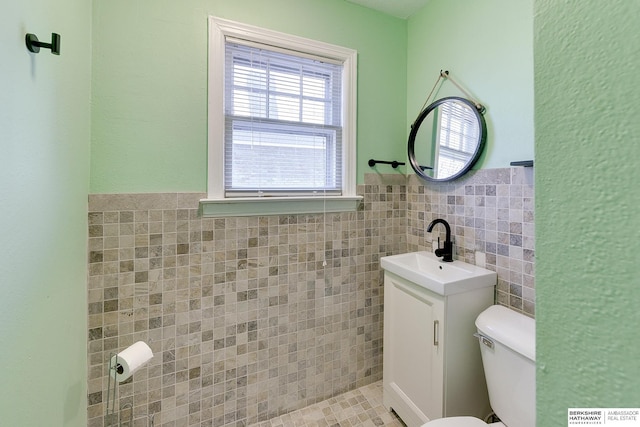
(149,112)
(44,176)
(587,56)
(487,46)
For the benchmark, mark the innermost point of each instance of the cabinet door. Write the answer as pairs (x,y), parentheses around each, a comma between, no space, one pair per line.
(413,350)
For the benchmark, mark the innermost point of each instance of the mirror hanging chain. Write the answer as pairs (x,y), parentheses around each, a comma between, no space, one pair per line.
(445,75)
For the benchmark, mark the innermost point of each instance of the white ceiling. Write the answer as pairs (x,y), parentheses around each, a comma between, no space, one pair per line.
(399,8)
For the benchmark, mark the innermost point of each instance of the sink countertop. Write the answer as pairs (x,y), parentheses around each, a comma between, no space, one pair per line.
(444,278)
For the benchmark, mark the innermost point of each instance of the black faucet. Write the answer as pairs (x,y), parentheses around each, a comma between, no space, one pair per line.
(447,251)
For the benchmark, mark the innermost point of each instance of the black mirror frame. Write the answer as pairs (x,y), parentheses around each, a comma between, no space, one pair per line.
(418,169)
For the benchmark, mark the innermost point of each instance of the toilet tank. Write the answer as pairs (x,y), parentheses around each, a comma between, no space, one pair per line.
(507,345)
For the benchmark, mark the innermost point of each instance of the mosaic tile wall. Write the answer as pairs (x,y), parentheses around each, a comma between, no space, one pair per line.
(490,211)
(245,322)
(243,318)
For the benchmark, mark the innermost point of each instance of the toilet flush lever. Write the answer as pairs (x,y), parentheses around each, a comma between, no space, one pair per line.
(484,340)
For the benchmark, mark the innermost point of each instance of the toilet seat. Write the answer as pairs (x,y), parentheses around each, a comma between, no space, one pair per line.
(456,422)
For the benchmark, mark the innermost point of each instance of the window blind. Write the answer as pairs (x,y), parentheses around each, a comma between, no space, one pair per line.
(283,122)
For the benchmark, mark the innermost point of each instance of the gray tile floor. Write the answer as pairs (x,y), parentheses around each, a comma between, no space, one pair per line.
(360,407)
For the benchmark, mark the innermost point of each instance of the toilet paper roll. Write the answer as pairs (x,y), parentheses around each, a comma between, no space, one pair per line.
(129,360)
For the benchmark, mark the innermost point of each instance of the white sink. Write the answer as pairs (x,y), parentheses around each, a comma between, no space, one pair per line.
(445,278)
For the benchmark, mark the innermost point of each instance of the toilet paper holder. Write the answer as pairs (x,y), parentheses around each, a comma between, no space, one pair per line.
(120,367)
(111,393)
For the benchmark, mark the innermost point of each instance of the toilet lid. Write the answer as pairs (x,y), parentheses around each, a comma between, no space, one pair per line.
(456,422)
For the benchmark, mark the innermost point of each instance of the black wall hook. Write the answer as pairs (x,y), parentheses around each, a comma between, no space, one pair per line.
(525,163)
(34,45)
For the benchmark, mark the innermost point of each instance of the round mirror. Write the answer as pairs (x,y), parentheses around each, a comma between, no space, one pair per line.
(446,139)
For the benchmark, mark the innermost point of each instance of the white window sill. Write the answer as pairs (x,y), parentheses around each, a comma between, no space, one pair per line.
(262,206)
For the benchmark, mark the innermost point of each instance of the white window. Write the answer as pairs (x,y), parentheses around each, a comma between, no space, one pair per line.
(281,123)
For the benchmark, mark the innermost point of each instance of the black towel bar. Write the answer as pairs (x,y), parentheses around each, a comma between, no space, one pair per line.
(394,163)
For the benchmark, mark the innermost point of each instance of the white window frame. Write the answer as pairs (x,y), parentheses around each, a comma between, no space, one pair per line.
(216,203)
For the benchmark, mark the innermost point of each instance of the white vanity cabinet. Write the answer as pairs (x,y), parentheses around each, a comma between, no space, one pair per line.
(432,366)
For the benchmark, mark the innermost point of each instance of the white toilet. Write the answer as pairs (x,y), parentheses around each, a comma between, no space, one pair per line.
(507,345)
